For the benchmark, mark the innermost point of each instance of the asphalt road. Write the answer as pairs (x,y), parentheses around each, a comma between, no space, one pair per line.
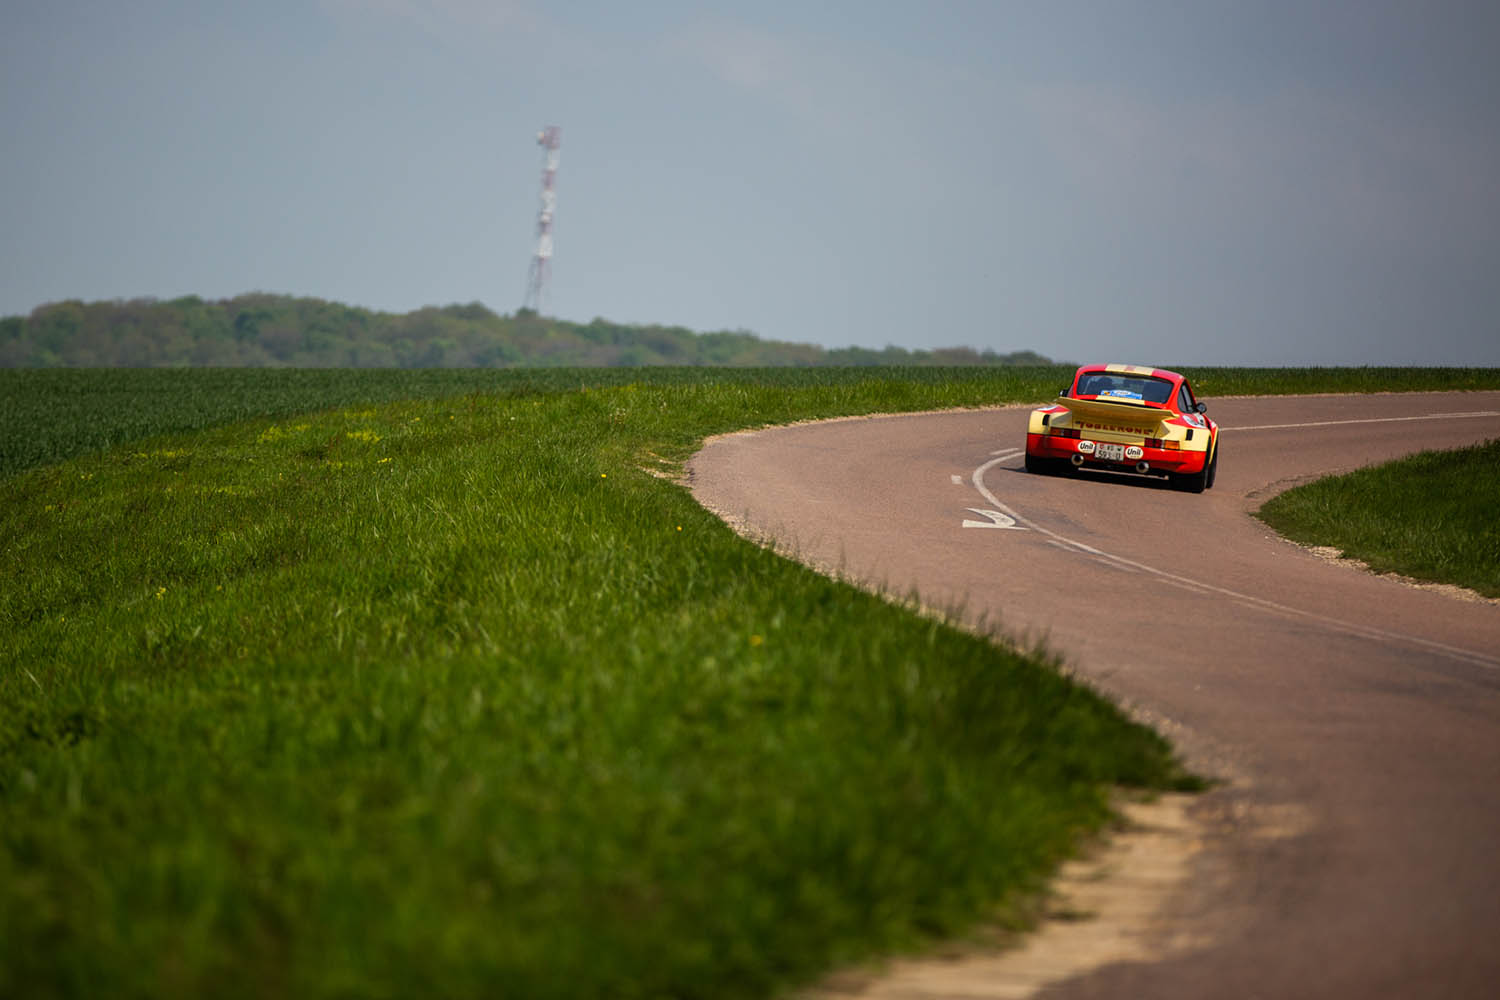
(1355,719)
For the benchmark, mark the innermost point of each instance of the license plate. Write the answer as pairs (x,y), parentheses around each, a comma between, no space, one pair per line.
(1110,452)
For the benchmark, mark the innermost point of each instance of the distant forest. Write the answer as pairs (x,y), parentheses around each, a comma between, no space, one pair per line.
(262,330)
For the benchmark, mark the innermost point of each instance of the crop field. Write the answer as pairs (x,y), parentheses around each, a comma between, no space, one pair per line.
(50,414)
(388,683)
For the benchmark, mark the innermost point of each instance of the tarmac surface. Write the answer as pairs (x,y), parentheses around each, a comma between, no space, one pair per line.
(1353,849)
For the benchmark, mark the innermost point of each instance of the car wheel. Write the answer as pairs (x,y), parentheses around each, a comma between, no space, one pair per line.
(1213,470)
(1193,482)
(1038,465)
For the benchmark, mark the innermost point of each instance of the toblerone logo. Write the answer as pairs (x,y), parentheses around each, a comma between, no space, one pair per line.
(1118,428)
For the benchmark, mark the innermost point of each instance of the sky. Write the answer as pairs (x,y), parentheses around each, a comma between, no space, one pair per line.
(1185,182)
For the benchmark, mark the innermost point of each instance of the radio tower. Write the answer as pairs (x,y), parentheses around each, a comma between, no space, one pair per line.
(549,138)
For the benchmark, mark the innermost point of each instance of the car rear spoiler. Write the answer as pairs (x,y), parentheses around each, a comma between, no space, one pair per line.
(1113,411)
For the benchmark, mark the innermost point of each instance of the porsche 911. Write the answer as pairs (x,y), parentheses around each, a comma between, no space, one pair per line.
(1126,418)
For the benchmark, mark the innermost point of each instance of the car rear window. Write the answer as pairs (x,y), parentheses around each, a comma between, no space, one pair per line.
(1115,385)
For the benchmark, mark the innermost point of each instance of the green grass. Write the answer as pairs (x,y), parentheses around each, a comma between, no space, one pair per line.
(1431,516)
(446,695)
(50,414)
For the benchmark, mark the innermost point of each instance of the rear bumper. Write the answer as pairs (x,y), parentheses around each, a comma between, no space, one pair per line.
(1177,462)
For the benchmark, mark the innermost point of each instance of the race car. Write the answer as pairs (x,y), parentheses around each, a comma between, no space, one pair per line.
(1126,418)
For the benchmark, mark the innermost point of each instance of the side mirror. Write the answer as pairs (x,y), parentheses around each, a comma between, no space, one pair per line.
(1064,390)
(1201,407)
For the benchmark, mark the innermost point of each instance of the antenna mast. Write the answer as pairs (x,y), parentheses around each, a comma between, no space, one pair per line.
(550,139)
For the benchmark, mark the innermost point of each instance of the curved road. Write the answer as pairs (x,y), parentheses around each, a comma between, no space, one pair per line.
(1355,719)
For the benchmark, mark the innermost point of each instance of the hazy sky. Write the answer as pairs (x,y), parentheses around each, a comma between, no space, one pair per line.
(1301,182)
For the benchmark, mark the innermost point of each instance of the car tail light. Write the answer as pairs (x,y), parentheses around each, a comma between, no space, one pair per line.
(1063,432)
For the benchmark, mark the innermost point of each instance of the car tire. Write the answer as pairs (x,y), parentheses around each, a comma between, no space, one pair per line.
(1193,482)
(1037,465)
(1213,469)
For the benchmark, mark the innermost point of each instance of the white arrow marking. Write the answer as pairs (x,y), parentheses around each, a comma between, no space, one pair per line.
(996,520)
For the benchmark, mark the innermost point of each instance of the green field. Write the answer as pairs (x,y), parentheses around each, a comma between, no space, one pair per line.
(422,682)
(51,414)
(1431,516)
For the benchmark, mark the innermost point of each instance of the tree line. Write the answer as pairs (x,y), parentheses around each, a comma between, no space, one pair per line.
(264,330)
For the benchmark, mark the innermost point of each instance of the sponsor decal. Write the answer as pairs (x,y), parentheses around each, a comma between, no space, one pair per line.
(1119,428)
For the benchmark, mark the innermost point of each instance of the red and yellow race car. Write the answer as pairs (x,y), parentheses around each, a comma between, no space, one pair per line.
(1126,418)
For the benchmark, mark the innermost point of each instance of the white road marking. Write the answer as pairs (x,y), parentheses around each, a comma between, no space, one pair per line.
(958,480)
(1008,452)
(1260,603)
(996,520)
(1367,420)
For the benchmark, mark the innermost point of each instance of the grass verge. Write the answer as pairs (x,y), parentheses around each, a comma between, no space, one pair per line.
(1430,516)
(447,696)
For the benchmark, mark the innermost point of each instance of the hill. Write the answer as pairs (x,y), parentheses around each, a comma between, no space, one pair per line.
(263,330)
